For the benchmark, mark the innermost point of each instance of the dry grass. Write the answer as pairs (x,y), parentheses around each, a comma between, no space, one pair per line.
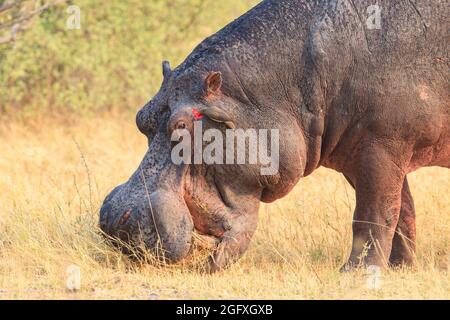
(54,175)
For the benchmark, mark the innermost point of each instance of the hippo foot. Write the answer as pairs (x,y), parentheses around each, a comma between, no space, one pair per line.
(402,258)
(358,264)
(402,264)
(350,266)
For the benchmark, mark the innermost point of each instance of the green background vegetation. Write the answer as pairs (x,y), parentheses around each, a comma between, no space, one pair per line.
(113,62)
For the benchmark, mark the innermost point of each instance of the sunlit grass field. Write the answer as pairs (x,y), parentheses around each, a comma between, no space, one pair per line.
(55,173)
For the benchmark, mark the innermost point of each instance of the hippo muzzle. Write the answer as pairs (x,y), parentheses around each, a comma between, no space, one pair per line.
(158,222)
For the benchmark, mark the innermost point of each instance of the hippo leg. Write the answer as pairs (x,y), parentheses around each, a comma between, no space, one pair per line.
(403,245)
(379,183)
(234,243)
(404,242)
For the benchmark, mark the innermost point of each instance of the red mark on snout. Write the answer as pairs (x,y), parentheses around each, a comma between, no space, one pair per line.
(197,115)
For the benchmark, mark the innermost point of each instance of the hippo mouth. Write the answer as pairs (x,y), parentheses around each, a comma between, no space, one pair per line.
(204,236)
(203,241)
(209,208)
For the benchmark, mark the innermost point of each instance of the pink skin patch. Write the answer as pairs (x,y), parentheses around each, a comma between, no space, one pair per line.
(197,115)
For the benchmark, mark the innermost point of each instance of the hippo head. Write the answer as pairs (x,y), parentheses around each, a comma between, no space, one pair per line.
(166,200)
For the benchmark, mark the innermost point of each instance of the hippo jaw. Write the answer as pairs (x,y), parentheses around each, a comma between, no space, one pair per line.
(163,219)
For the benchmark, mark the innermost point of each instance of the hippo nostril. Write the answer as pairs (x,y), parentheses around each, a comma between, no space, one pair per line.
(125,217)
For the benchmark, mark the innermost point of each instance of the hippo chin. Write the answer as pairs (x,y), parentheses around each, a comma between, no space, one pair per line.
(370,102)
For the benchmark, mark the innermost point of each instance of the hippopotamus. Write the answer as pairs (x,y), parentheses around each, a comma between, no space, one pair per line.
(359,88)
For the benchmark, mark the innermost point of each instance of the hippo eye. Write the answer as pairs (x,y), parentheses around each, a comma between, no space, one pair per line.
(181,125)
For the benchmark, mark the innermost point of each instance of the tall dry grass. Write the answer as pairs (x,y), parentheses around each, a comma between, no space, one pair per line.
(54,175)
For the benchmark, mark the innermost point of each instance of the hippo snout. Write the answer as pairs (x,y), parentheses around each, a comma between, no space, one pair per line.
(160,220)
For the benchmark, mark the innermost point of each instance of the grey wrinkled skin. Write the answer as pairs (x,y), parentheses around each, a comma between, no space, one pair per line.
(371,104)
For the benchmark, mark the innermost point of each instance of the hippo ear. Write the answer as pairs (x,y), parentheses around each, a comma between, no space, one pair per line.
(167,71)
(213,83)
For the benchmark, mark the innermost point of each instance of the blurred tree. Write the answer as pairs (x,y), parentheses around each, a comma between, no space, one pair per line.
(17,16)
(113,61)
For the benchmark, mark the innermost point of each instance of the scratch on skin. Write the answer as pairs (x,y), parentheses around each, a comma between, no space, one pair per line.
(419,14)
(362,25)
(423,93)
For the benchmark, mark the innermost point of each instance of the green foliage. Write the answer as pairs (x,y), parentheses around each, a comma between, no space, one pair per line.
(113,61)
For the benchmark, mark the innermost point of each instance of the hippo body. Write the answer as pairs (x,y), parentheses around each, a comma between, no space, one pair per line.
(369,102)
